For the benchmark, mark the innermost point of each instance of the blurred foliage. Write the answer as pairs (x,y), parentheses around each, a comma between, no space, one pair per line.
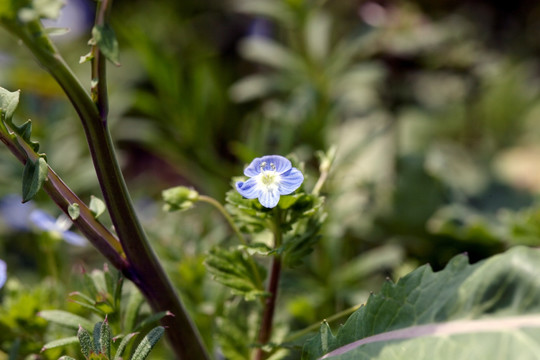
(432,106)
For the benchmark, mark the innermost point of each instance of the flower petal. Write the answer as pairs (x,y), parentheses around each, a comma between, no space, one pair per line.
(269,198)
(249,189)
(74,239)
(290,181)
(281,164)
(43,220)
(254,168)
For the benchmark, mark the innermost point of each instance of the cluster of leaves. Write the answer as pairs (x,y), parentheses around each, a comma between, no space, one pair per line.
(104,299)
(98,346)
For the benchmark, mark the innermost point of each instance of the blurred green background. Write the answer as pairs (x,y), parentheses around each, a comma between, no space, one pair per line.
(433,108)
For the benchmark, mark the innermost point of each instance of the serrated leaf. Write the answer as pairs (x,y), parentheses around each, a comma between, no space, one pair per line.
(233,268)
(8,103)
(123,344)
(34,175)
(148,342)
(74,211)
(105,39)
(85,340)
(65,318)
(486,309)
(97,206)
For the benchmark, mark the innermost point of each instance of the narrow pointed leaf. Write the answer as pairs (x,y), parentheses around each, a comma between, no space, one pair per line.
(123,344)
(60,342)
(148,342)
(85,341)
(105,338)
(65,318)
(96,337)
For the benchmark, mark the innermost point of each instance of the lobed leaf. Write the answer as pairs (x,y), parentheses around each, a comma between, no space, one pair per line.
(487,310)
(233,268)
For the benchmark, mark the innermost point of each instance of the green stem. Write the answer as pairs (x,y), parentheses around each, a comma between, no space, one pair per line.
(144,268)
(226,215)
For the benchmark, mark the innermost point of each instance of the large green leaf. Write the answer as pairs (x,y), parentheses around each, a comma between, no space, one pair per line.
(487,310)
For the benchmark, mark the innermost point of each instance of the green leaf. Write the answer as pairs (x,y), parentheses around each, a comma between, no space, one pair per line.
(65,357)
(146,345)
(123,344)
(8,103)
(132,309)
(97,206)
(105,338)
(104,37)
(96,337)
(65,318)
(25,132)
(487,309)
(152,319)
(85,340)
(233,268)
(34,175)
(74,211)
(60,342)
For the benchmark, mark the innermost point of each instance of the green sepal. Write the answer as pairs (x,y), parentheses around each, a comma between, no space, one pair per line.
(34,175)
(179,198)
(147,343)
(25,132)
(105,39)
(85,340)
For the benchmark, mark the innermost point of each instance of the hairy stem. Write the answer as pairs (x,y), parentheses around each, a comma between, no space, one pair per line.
(265,331)
(144,268)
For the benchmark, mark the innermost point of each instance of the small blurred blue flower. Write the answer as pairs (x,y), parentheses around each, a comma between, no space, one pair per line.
(57,227)
(14,213)
(269,177)
(3,273)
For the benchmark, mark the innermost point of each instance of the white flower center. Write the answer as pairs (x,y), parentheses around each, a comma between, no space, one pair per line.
(268,178)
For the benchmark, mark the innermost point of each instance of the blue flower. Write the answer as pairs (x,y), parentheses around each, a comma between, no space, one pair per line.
(269,177)
(56,227)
